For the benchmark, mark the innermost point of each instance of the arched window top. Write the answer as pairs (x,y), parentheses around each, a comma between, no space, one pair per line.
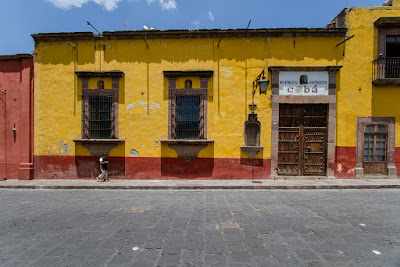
(304,79)
(100,84)
(188,84)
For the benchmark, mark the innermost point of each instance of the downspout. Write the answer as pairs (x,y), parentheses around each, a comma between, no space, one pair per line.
(5,132)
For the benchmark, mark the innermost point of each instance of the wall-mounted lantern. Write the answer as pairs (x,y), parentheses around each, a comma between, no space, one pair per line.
(262,83)
(252,127)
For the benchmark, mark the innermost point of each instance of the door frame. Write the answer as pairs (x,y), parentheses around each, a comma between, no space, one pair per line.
(390,145)
(329,99)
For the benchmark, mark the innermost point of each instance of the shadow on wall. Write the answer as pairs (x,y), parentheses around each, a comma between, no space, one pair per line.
(256,162)
(200,50)
(89,167)
(179,168)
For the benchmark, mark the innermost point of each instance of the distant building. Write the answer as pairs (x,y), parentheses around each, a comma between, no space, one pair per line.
(16,117)
(178,104)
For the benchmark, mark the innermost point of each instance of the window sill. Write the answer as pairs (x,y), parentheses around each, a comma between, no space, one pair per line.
(251,151)
(187,141)
(98,140)
(387,81)
(187,149)
(99,146)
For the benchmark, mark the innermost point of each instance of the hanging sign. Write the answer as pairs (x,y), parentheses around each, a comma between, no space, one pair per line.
(309,83)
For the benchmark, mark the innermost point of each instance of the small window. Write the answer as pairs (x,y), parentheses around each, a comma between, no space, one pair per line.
(382,128)
(100,84)
(100,120)
(375,143)
(304,79)
(391,39)
(98,114)
(187,117)
(369,128)
(188,84)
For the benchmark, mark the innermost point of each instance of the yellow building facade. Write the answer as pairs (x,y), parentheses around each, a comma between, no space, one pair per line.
(185,104)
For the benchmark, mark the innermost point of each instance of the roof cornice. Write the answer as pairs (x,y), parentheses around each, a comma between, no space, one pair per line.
(194,34)
(15,57)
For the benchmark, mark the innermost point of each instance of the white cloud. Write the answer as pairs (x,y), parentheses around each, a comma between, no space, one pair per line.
(109,4)
(168,4)
(165,4)
(67,4)
(210,16)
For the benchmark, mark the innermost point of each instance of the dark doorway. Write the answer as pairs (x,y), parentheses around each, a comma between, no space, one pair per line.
(392,68)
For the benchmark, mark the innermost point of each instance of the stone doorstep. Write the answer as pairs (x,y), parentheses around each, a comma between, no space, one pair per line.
(308,178)
(371,177)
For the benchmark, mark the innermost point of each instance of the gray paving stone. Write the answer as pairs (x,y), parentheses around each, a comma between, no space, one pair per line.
(215,260)
(240,256)
(185,228)
(169,260)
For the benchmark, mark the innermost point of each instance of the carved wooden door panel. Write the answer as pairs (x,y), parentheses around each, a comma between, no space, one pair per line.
(289,146)
(314,139)
(302,139)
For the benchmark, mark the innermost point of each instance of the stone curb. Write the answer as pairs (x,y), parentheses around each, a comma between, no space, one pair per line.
(201,187)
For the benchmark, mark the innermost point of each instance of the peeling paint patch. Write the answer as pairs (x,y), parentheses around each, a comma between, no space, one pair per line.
(131,123)
(65,149)
(142,104)
(339,168)
(134,153)
(226,71)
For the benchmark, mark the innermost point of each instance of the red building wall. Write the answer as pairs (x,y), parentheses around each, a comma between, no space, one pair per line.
(16,117)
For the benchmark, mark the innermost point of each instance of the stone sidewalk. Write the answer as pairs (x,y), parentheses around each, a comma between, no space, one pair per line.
(204,184)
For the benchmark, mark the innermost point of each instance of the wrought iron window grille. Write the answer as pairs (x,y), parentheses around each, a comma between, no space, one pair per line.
(98,119)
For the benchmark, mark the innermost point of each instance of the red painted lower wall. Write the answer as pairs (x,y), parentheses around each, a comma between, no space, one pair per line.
(397,160)
(70,167)
(345,162)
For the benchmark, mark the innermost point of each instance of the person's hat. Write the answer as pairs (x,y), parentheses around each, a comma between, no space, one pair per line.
(104,154)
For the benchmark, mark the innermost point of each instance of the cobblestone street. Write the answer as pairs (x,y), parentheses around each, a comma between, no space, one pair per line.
(199,228)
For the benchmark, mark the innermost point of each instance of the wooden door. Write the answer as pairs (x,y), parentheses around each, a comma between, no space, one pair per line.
(375,149)
(302,139)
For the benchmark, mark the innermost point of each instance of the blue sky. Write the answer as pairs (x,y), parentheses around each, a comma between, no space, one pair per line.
(21,18)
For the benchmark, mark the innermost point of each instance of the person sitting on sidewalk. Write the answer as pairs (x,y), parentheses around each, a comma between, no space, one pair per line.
(103,167)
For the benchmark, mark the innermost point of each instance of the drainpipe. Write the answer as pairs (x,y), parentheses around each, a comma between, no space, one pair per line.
(5,132)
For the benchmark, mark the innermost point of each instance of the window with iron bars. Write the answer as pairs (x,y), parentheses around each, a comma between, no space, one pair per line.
(187,117)
(98,116)
(188,114)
